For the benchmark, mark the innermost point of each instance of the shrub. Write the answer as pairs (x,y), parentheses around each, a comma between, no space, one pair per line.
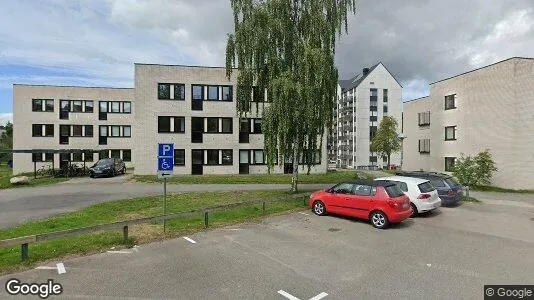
(473,171)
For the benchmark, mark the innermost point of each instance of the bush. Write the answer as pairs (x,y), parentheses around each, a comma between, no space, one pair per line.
(473,171)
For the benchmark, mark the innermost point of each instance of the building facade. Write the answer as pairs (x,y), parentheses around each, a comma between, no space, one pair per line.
(488,108)
(63,118)
(361,104)
(192,107)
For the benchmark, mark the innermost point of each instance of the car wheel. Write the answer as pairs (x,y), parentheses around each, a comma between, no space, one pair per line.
(123,171)
(113,173)
(379,219)
(319,208)
(414,211)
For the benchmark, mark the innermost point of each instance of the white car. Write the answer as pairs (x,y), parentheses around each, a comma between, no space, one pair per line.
(423,195)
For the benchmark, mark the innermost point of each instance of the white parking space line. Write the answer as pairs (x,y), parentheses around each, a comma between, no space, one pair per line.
(303,213)
(189,240)
(291,297)
(46,268)
(61,268)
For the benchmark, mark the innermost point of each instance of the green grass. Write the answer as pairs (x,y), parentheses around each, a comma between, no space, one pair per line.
(470,199)
(6,174)
(329,177)
(131,209)
(486,188)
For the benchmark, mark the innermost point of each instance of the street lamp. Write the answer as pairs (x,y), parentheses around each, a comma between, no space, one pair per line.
(401,137)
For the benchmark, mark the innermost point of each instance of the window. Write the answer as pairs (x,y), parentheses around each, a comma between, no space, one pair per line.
(213,125)
(450,102)
(343,188)
(385,109)
(374,93)
(127,107)
(373,159)
(198,92)
(394,191)
(424,118)
(450,133)
(449,163)
(115,130)
(103,130)
(243,156)
(37,105)
(127,131)
(424,146)
(127,155)
(179,157)
(89,130)
(64,156)
(213,157)
(213,92)
(76,130)
(227,125)
(65,105)
(88,156)
(373,118)
(385,95)
(103,154)
(77,156)
(64,130)
(77,106)
(89,106)
(257,157)
(438,183)
(164,91)
(402,185)
(115,107)
(257,125)
(227,93)
(115,153)
(37,157)
(227,157)
(372,132)
(49,130)
(166,126)
(425,187)
(362,190)
(37,130)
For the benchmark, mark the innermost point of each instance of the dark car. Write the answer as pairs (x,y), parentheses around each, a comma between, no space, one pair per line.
(107,167)
(449,190)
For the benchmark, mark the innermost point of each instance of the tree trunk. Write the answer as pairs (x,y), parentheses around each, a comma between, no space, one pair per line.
(389,161)
(295,175)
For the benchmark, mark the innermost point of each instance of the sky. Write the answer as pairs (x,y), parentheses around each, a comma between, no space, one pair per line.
(96,42)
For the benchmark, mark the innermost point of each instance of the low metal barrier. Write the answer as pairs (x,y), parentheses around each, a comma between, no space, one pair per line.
(24,241)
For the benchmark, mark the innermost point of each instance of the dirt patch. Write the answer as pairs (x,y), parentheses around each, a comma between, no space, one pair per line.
(145,233)
(334,229)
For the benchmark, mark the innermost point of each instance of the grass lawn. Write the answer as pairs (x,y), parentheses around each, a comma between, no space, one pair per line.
(500,190)
(131,209)
(330,177)
(6,174)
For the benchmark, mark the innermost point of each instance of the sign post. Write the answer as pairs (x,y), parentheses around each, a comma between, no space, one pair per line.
(165,169)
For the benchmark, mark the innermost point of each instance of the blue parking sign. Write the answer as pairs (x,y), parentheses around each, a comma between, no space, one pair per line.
(165,150)
(165,163)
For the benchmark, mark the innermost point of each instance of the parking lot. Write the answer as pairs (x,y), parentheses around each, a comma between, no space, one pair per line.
(448,254)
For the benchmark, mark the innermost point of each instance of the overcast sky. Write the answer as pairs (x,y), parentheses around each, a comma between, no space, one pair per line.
(96,42)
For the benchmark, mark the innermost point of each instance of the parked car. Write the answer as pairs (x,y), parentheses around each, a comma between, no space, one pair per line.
(423,196)
(449,190)
(107,167)
(380,202)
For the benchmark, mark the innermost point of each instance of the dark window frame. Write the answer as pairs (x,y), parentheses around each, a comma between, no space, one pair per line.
(177,124)
(182,153)
(423,143)
(207,155)
(231,125)
(449,167)
(252,125)
(130,156)
(448,102)
(231,93)
(422,118)
(385,95)
(207,129)
(37,105)
(160,97)
(202,94)
(208,93)
(35,131)
(74,127)
(453,133)
(252,158)
(44,105)
(231,162)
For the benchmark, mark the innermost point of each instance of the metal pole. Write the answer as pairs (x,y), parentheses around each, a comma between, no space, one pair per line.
(24,251)
(34,168)
(263,207)
(125,233)
(165,203)
(206,219)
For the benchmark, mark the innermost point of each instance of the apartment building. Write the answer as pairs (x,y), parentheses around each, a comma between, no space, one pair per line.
(192,107)
(51,118)
(362,102)
(488,108)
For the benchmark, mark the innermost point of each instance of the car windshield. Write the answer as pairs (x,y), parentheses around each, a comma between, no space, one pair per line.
(104,162)
(393,191)
(426,187)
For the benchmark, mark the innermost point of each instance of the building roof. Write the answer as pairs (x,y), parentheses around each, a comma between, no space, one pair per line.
(74,86)
(355,81)
(420,98)
(515,57)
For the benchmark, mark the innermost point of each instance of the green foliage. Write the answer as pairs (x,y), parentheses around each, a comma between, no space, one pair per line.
(474,171)
(386,140)
(6,142)
(287,48)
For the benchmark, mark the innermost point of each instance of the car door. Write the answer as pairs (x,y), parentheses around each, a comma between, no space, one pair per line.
(337,199)
(360,201)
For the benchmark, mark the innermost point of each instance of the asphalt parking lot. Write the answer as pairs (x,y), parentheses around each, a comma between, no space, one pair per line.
(448,254)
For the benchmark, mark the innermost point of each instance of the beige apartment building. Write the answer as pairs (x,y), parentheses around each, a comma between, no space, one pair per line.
(488,108)
(192,107)
(52,118)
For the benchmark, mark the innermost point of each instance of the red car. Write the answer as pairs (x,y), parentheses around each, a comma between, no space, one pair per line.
(381,202)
